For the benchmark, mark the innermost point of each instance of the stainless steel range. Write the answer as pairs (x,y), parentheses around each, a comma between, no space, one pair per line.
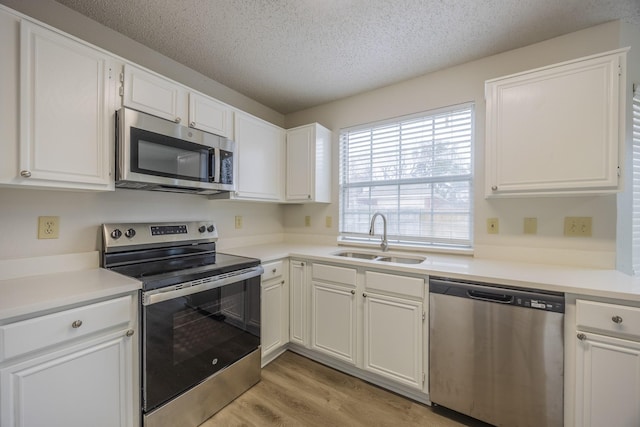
(200,318)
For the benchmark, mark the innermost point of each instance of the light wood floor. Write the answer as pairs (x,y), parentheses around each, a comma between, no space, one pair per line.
(296,391)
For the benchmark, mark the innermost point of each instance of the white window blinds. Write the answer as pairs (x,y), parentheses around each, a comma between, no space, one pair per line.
(415,170)
(635,219)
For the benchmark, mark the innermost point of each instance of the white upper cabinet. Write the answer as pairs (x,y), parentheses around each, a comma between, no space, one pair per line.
(260,159)
(61,135)
(156,95)
(308,164)
(556,130)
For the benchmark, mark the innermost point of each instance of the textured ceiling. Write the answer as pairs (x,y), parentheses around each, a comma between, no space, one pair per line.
(294,54)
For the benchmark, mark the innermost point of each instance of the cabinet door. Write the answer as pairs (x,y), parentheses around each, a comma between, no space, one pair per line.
(153,94)
(87,385)
(300,163)
(298,306)
(275,316)
(66,123)
(607,382)
(393,338)
(556,129)
(260,153)
(333,320)
(210,115)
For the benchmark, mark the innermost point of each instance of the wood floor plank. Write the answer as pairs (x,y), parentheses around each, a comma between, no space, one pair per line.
(296,391)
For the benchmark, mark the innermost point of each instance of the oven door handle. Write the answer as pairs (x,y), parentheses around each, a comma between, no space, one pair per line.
(163,294)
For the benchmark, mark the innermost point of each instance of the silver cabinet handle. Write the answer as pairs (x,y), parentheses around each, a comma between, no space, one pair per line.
(178,120)
(192,124)
(581,336)
(76,324)
(616,319)
(25,174)
(353,292)
(494,187)
(274,271)
(364,295)
(129,333)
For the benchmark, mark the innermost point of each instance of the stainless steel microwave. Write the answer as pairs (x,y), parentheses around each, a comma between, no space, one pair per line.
(160,155)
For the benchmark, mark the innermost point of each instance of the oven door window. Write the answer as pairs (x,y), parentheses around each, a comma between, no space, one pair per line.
(189,338)
(161,155)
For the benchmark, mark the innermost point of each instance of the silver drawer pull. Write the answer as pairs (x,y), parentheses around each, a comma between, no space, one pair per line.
(129,332)
(616,319)
(76,324)
(581,337)
(274,270)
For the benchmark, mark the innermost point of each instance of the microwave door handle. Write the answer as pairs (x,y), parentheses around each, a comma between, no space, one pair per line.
(214,165)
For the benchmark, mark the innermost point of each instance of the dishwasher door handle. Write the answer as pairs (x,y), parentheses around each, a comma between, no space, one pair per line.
(490,297)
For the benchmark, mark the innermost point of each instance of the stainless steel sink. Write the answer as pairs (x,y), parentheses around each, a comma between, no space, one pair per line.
(401,259)
(381,257)
(358,255)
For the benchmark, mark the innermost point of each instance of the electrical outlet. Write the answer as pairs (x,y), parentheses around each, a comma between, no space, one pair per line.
(238,221)
(577,226)
(48,227)
(530,225)
(493,226)
(307,221)
(328,221)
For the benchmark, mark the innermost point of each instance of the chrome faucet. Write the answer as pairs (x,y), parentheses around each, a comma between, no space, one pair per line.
(384,244)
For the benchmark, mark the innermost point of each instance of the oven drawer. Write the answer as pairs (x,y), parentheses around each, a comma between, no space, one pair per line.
(33,334)
(272,270)
(608,318)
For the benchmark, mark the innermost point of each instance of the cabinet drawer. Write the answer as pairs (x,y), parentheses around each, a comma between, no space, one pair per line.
(391,283)
(53,329)
(272,270)
(334,274)
(611,318)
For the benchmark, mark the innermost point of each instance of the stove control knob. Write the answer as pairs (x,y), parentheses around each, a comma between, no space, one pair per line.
(130,233)
(202,229)
(116,234)
(210,229)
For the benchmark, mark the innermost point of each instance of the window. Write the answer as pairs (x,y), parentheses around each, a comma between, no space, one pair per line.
(635,215)
(417,171)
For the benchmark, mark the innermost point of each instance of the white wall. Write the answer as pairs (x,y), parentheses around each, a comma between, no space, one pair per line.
(465,83)
(82,213)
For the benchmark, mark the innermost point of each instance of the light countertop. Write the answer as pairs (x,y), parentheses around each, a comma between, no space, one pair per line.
(574,280)
(45,291)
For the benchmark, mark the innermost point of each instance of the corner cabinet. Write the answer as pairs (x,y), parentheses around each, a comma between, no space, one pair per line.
(154,94)
(72,368)
(308,164)
(66,93)
(556,130)
(298,302)
(607,364)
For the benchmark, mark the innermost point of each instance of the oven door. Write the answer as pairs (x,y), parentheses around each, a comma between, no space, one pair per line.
(195,330)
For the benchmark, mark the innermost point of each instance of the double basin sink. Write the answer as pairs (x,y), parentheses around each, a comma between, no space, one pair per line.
(381,257)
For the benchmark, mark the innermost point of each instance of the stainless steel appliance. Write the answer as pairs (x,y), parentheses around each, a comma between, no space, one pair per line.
(200,318)
(496,353)
(159,155)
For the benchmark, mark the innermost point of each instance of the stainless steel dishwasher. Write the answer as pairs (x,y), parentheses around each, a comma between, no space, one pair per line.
(496,353)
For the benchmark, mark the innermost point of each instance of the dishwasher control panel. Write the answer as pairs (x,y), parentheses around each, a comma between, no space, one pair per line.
(526,298)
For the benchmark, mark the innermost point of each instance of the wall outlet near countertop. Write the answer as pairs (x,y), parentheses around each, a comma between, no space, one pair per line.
(238,222)
(577,226)
(307,221)
(48,227)
(530,225)
(328,221)
(493,226)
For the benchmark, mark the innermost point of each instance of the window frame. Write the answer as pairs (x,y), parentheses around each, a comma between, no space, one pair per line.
(400,241)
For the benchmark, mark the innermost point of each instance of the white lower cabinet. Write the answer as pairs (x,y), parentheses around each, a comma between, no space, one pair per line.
(607,365)
(55,371)
(370,324)
(275,310)
(333,320)
(298,302)
(393,338)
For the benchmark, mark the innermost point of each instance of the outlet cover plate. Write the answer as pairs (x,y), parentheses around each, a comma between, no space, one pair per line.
(48,227)
(577,226)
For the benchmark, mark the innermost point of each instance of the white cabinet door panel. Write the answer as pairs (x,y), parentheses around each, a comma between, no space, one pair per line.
(333,321)
(152,94)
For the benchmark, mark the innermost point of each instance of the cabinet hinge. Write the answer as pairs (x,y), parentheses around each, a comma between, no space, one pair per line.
(424,316)
(619,171)
(122,77)
(121,90)
(424,378)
